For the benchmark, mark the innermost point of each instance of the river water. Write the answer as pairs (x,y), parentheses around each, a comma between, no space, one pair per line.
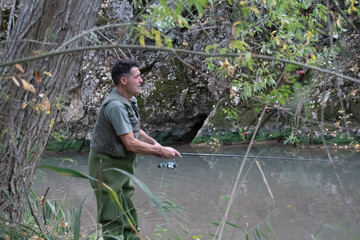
(311,199)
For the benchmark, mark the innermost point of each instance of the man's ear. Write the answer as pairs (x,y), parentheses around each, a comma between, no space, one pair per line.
(123,80)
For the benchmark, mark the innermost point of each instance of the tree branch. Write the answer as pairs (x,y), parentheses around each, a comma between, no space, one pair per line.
(173,50)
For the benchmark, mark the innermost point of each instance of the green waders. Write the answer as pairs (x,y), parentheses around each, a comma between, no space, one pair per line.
(113,221)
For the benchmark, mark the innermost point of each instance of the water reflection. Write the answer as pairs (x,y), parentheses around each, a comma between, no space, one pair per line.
(308,198)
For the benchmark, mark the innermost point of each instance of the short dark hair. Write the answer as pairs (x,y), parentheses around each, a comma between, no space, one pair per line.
(121,68)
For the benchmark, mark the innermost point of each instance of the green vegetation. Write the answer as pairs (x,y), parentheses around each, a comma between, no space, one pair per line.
(283,136)
(67,145)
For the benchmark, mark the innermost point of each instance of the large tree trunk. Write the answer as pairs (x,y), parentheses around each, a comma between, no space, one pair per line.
(24,131)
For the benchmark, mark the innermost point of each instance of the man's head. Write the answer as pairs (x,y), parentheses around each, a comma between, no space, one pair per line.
(126,77)
(122,68)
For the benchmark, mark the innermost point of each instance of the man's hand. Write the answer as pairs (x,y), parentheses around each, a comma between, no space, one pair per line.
(169,152)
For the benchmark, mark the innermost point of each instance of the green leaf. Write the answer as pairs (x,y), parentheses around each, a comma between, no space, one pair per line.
(233,225)
(199,8)
(77,219)
(67,172)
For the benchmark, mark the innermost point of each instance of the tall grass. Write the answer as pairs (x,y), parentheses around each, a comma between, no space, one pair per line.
(47,219)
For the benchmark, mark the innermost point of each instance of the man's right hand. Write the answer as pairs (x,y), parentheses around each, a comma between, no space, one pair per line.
(169,152)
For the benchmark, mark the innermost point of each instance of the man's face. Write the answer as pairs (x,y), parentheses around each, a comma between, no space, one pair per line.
(134,80)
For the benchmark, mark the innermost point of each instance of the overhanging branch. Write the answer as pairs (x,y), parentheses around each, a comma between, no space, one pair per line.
(176,51)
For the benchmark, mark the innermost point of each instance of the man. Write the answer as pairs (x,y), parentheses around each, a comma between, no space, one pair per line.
(116,140)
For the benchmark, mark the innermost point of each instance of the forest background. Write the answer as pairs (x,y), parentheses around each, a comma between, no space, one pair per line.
(212,69)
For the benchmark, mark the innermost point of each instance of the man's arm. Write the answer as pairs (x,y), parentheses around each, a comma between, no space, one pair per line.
(146,138)
(143,147)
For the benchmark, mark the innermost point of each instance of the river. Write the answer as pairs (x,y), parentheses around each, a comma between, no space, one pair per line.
(312,199)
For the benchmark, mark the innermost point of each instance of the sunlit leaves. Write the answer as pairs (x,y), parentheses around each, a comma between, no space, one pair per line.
(48,74)
(157,35)
(45,105)
(20,68)
(27,86)
(15,81)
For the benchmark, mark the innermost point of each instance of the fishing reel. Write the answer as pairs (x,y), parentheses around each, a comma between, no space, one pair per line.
(168,164)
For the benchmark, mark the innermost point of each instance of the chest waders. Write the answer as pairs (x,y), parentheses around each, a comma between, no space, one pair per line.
(112,218)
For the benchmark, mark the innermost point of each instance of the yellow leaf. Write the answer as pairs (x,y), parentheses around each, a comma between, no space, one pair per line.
(157,38)
(37,76)
(48,73)
(276,40)
(354,8)
(309,34)
(338,23)
(255,10)
(27,86)
(242,3)
(19,67)
(142,40)
(180,22)
(314,57)
(16,81)
(282,24)
(46,104)
(52,121)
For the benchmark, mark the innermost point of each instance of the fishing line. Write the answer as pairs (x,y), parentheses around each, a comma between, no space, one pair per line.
(267,157)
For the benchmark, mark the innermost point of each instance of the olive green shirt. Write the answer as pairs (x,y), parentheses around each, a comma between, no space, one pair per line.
(117,116)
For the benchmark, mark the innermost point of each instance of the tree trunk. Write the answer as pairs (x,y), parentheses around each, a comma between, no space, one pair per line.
(24,131)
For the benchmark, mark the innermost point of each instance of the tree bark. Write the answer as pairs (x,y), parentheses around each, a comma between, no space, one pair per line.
(24,131)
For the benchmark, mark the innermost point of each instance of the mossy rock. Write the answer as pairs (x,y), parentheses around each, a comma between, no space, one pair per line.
(245,115)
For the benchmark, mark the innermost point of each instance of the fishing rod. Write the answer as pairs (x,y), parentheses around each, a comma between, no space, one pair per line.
(265,157)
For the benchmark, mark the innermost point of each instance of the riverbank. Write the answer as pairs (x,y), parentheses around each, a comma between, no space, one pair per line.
(227,139)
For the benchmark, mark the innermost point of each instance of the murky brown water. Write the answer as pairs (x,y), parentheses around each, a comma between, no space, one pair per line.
(308,200)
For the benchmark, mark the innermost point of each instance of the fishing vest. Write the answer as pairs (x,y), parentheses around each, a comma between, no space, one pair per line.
(104,139)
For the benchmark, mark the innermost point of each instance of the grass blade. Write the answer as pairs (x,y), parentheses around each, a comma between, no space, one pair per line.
(77,219)
(144,188)
(67,172)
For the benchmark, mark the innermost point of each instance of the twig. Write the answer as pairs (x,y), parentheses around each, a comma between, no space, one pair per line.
(265,181)
(232,196)
(33,213)
(109,40)
(220,230)
(43,203)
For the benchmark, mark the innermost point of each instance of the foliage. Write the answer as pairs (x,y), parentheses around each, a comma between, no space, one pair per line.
(293,30)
